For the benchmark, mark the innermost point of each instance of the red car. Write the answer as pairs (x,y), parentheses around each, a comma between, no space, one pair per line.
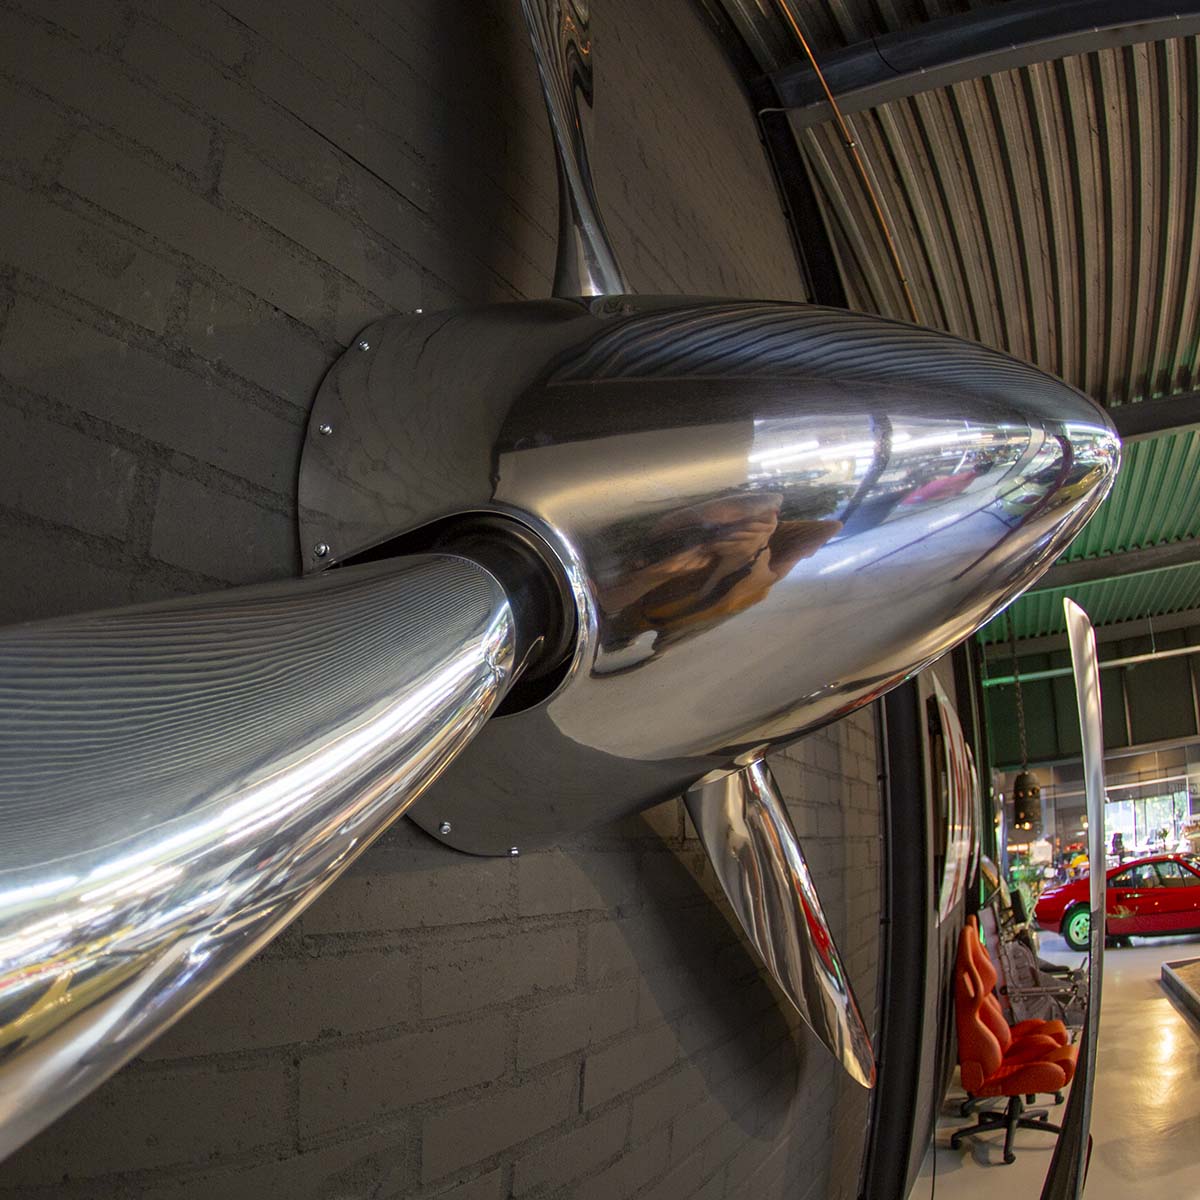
(1146,896)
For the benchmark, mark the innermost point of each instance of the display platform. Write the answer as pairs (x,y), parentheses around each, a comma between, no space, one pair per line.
(1182,979)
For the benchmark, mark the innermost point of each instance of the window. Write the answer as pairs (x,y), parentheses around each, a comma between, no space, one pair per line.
(1144,876)
(1141,876)
(1174,875)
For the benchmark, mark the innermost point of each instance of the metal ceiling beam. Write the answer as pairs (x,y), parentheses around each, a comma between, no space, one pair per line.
(1131,660)
(977,43)
(1113,566)
(1149,418)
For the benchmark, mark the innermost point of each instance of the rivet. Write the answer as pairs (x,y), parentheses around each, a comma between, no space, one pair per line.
(324,429)
(363,344)
(444,828)
(513,851)
(321,549)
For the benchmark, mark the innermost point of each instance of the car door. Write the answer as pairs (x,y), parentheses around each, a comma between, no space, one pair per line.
(1133,900)
(1179,899)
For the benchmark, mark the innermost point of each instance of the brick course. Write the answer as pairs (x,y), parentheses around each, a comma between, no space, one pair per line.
(200,205)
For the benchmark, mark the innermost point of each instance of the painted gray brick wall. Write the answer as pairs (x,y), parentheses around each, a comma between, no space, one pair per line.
(200,205)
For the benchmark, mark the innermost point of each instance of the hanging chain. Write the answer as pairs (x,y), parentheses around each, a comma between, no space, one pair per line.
(1012,647)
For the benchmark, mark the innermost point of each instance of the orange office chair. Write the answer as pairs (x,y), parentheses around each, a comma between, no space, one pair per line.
(993,1062)
(993,1014)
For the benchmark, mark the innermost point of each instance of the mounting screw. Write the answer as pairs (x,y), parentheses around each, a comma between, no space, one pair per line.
(418,311)
(363,344)
(513,851)
(444,828)
(324,429)
(321,549)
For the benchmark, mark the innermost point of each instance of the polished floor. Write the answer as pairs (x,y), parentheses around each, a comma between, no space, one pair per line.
(1146,1121)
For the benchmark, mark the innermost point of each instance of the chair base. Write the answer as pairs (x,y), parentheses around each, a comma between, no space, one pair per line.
(1015,1116)
(971,1103)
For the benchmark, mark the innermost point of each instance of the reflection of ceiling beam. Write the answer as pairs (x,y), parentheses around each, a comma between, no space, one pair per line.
(1149,418)
(1116,632)
(980,42)
(1113,566)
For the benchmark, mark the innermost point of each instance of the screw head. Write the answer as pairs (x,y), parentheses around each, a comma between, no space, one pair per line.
(324,429)
(321,549)
(513,851)
(418,311)
(363,344)
(444,828)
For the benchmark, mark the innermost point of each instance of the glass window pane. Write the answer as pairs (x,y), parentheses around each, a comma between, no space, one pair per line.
(1172,874)
(1191,878)
(1144,876)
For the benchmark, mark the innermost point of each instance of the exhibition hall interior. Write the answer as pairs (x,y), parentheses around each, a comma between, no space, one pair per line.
(600,600)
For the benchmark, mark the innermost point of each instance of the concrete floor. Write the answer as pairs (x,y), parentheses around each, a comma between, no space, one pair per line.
(1146,1115)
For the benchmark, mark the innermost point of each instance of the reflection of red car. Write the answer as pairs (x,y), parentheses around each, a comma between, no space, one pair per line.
(1145,896)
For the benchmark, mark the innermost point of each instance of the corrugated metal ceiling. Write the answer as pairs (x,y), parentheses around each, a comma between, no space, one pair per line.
(1048,211)
(1153,593)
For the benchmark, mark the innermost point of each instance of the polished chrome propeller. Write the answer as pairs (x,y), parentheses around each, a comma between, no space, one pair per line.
(742,821)
(651,537)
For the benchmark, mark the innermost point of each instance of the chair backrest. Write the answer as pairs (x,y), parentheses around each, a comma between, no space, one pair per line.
(990,1010)
(979,1050)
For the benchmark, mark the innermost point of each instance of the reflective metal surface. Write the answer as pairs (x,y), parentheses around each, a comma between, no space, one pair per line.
(771,513)
(744,825)
(1068,1169)
(558,31)
(178,781)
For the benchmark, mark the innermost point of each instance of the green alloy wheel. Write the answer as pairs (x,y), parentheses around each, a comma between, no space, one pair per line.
(1077,928)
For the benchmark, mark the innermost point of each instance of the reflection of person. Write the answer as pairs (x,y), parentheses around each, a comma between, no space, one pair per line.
(705,563)
(1118,846)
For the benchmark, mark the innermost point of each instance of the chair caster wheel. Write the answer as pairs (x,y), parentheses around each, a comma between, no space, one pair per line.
(954,1143)
(1029,1097)
(1058,1097)
(1044,1118)
(1010,1158)
(964,1109)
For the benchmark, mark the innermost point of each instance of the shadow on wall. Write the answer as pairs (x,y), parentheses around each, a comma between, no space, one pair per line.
(486,163)
(239,193)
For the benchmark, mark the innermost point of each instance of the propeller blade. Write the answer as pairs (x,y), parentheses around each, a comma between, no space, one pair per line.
(754,849)
(586,264)
(179,780)
(1068,1168)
